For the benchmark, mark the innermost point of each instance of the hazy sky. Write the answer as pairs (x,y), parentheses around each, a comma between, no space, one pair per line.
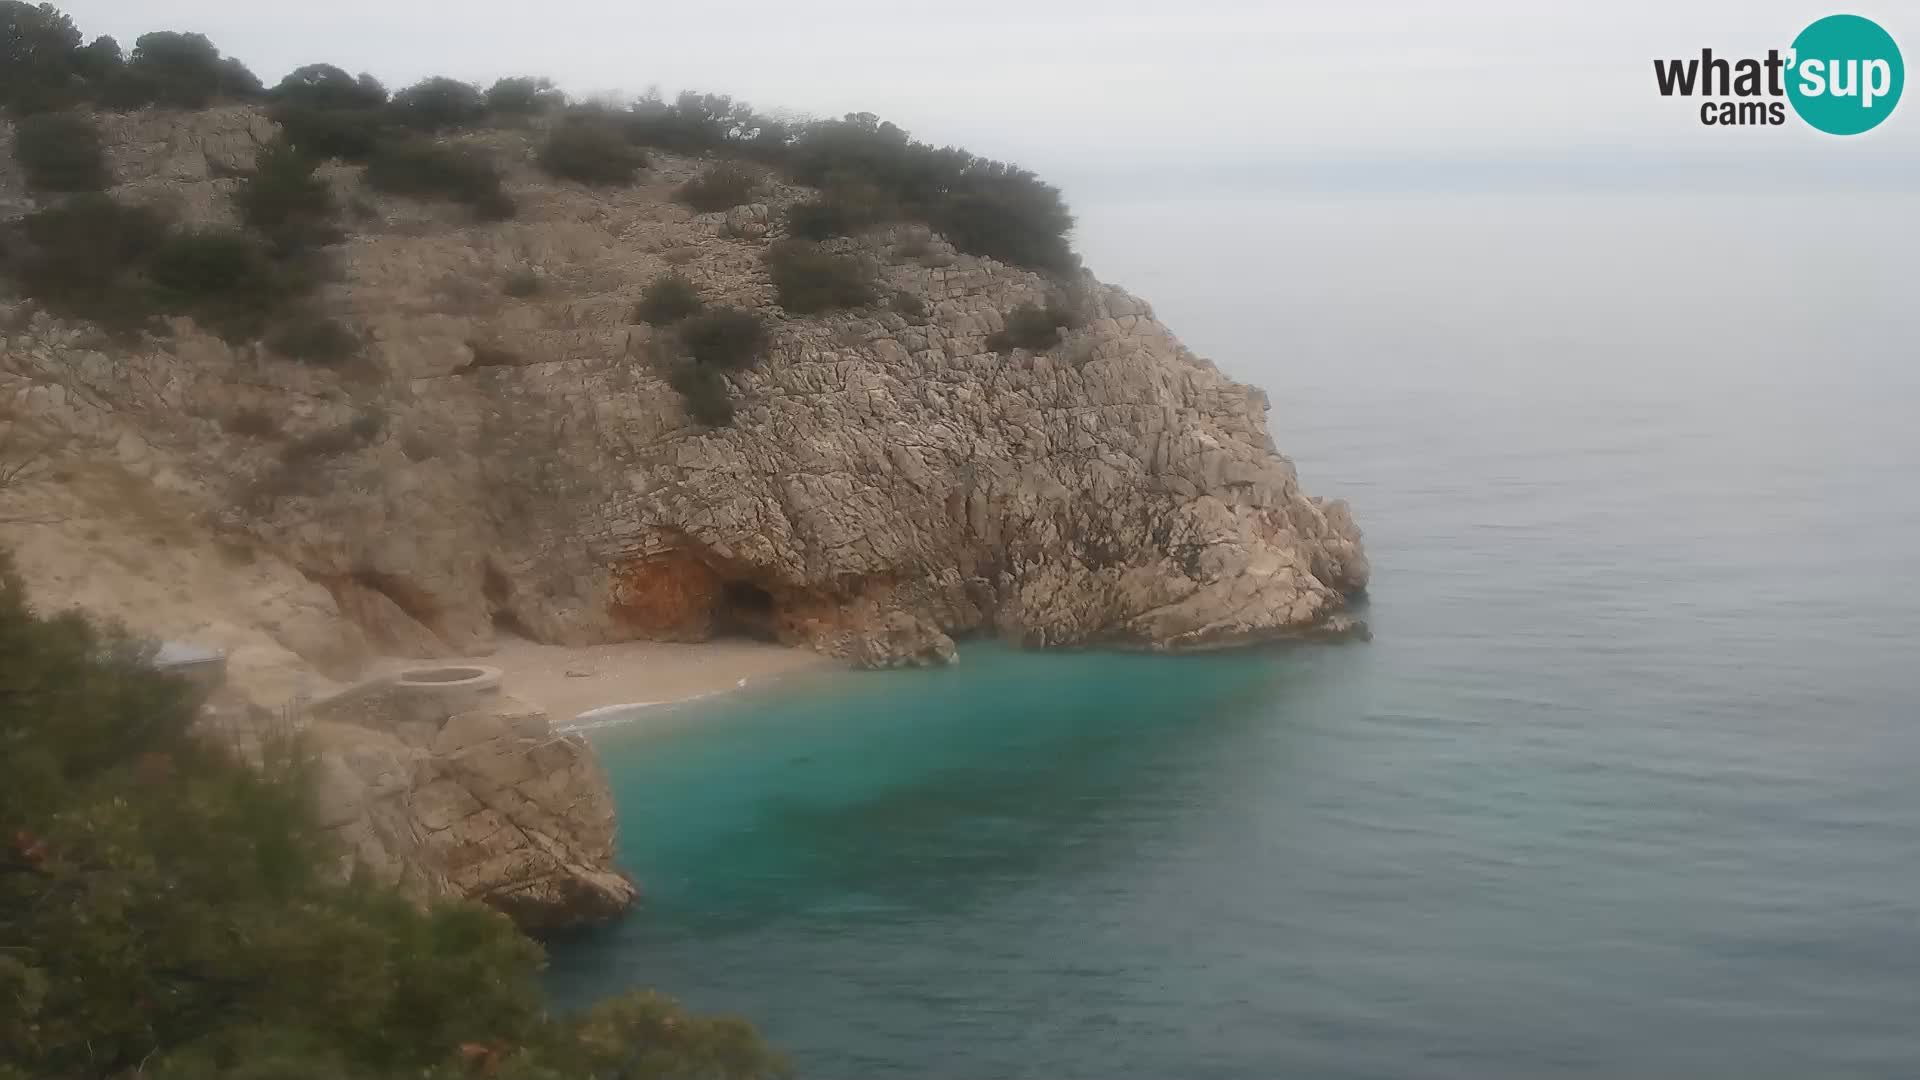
(1123,96)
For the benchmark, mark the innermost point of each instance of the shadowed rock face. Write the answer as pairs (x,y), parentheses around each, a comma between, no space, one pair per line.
(888,481)
(486,803)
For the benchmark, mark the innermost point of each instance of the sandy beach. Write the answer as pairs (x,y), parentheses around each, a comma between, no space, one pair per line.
(567,681)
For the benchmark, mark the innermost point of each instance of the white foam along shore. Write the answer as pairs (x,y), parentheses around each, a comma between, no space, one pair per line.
(597,685)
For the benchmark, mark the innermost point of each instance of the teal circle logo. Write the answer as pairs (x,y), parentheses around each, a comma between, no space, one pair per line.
(1846,76)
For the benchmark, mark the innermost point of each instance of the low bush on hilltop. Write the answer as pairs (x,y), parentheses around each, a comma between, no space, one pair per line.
(323,86)
(523,96)
(178,71)
(170,911)
(60,152)
(667,299)
(591,152)
(809,280)
(984,207)
(438,104)
(425,170)
(720,187)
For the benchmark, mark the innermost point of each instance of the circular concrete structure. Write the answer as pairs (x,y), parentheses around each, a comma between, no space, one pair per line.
(451,677)
(453,687)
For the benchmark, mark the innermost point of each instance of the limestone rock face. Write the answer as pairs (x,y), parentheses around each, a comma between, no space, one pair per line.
(889,481)
(486,803)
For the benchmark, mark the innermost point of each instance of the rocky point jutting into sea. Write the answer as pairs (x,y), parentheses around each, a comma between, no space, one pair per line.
(513,459)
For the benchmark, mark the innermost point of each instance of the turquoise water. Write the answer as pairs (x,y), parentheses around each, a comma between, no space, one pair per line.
(1625,785)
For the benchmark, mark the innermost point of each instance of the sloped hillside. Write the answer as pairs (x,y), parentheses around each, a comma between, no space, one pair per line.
(509,446)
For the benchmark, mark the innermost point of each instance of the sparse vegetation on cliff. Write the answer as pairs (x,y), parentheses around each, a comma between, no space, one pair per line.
(720,187)
(725,338)
(870,173)
(168,910)
(429,170)
(60,153)
(809,279)
(1033,326)
(705,392)
(286,202)
(667,299)
(591,151)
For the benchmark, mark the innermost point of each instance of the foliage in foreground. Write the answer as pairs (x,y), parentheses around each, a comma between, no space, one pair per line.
(167,912)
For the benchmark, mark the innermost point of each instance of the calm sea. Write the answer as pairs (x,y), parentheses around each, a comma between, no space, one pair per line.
(1627,785)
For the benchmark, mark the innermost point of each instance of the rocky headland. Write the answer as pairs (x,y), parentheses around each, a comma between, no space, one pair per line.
(508,455)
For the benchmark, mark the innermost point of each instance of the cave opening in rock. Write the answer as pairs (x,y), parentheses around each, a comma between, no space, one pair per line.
(745,610)
(498,592)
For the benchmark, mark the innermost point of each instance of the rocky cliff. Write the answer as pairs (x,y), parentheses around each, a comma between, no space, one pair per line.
(459,794)
(514,458)
(518,462)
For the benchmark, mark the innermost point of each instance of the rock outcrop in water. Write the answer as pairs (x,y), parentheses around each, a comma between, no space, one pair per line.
(889,481)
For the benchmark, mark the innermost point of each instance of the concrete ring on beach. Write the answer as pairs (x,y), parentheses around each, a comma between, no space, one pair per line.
(469,683)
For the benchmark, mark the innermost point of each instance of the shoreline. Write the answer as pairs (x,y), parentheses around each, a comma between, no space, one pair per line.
(572,682)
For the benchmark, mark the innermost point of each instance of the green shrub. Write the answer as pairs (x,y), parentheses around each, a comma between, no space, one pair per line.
(225,279)
(908,304)
(693,123)
(37,44)
(167,910)
(438,104)
(1007,214)
(316,339)
(251,424)
(286,202)
(60,152)
(719,187)
(424,170)
(667,299)
(81,259)
(323,86)
(486,355)
(704,391)
(725,338)
(845,209)
(348,134)
(179,71)
(521,284)
(523,96)
(808,279)
(984,207)
(591,153)
(1031,326)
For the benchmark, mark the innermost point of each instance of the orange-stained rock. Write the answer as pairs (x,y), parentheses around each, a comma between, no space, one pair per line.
(673,596)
